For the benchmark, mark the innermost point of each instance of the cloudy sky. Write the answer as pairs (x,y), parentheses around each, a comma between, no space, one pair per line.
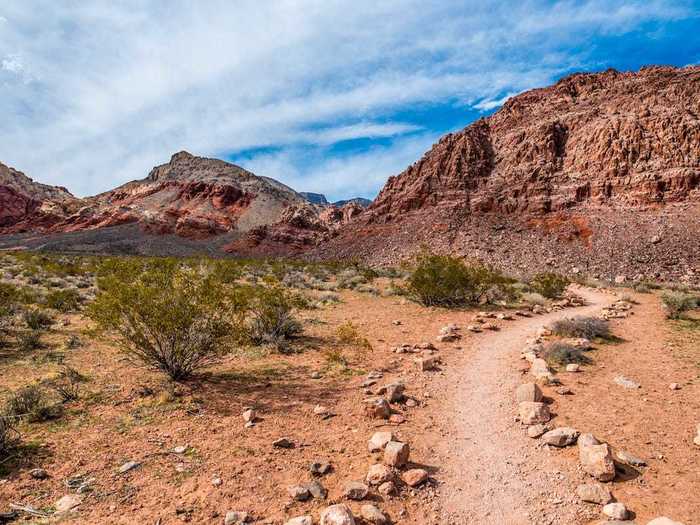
(325,95)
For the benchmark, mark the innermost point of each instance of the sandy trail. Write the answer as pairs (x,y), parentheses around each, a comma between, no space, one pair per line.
(491,470)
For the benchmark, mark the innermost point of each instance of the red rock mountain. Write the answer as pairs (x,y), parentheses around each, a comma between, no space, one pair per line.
(596,171)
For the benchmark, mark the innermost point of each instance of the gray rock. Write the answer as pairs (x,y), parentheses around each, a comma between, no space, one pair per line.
(355,490)
(626,382)
(528,392)
(299,493)
(616,511)
(234,517)
(533,413)
(536,431)
(561,437)
(373,515)
(594,493)
(378,474)
(625,457)
(317,490)
(283,443)
(337,515)
(320,468)
(38,473)
(129,465)
(379,440)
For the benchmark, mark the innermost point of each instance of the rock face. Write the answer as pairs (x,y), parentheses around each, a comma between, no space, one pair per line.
(558,173)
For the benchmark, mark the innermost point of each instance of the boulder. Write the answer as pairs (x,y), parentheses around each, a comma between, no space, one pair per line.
(597,461)
(533,412)
(594,493)
(561,437)
(378,474)
(337,515)
(379,440)
(396,453)
(528,392)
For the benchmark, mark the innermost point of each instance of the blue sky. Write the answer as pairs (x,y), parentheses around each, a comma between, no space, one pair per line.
(327,96)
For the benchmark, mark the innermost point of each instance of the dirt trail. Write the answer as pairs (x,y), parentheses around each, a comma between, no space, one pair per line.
(491,470)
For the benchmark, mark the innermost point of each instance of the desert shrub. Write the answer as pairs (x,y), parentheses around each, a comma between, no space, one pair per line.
(350,278)
(29,340)
(550,285)
(272,320)
(67,300)
(641,287)
(348,334)
(73,342)
(37,319)
(67,384)
(534,298)
(9,437)
(677,303)
(443,280)
(31,404)
(366,288)
(581,326)
(167,316)
(559,353)
(328,298)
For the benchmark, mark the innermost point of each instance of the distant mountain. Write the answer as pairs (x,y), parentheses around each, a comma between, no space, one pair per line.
(315,198)
(357,200)
(321,200)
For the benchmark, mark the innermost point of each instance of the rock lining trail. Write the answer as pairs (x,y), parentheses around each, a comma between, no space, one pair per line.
(492,472)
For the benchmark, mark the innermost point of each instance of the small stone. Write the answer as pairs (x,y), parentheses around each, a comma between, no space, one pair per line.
(414,477)
(283,443)
(216,481)
(337,515)
(532,413)
(387,489)
(536,431)
(597,461)
(674,386)
(315,375)
(396,453)
(625,457)
(355,490)
(234,517)
(573,367)
(396,323)
(616,511)
(373,515)
(396,419)
(594,493)
(411,403)
(38,473)
(249,416)
(180,449)
(300,520)
(129,465)
(378,408)
(320,468)
(426,363)
(626,382)
(299,493)
(67,503)
(317,490)
(561,437)
(321,410)
(696,440)
(394,392)
(528,392)
(565,391)
(378,474)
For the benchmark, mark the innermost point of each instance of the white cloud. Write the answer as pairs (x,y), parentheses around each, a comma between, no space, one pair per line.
(112,88)
(492,103)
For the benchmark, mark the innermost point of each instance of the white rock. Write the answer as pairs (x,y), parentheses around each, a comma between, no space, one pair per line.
(626,382)
(129,465)
(663,520)
(67,503)
(379,440)
(337,515)
(528,392)
(372,514)
(616,511)
(532,413)
(573,367)
(300,520)
(378,474)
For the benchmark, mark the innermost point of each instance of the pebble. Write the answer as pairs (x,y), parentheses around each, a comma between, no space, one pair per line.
(129,465)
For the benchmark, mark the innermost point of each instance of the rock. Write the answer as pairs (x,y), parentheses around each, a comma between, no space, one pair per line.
(320,468)
(316,490)
(249,415)
(373,515)
(394,392)
(299,493)
(411,403)
(540,369)
(696,440)
(625,457)
(216,481)
(447,338)
(396,453)
(337,515)
(234,517)
(528,392)
(565,391)
(283,442)
(38,473)
(315,375)
(587,440)
(378,474)
(300,520)
(387,489)
(67,503)
(355,490)
(378,408)
(379,440)
(532,412)
(504,317)
(427,363)
(396,419)
(181,449)
(674,386)
(573,367)
(536,431)
(616,511)
(594,493)
(414,477)
(320,410)
(626,382)
(129,465)
(561,437)
(597,461)
(475,328)
(663,520)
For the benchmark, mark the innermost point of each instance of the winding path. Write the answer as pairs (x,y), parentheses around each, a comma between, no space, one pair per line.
(492,472)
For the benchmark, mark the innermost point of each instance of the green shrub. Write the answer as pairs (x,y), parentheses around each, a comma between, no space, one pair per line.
(31,404)
(560,353)
(534,298)
(443,280)
(272,321)
(67,300)
(580,326)
(677,303)
(169,317)
(550,285)
(37,319)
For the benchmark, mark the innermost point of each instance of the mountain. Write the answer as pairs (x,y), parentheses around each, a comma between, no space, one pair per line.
(315,198)
(321,200)
(362,202)
(598,173)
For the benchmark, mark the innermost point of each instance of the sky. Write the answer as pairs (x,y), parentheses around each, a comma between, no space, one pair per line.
(326,96)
